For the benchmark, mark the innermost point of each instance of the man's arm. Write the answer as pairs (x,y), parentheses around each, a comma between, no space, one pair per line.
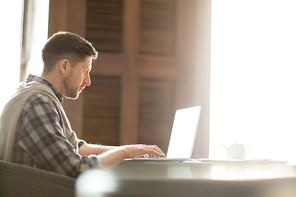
(111,156)
(89,149)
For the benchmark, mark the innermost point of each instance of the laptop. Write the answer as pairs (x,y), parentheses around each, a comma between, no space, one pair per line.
(182,137)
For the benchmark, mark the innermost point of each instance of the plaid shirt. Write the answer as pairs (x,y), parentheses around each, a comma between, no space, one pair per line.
(40,141)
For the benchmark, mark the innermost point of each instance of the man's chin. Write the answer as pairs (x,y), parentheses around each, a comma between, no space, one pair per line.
(72,97)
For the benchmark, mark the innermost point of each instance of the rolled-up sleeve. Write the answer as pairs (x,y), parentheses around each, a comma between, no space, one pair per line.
(43,138)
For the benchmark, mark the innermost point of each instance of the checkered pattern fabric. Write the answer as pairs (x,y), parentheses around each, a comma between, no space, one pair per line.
(40,140)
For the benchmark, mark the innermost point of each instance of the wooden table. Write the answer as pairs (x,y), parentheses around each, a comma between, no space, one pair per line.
(206,178)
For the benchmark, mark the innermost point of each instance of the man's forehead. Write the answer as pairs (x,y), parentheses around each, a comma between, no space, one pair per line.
(87,63)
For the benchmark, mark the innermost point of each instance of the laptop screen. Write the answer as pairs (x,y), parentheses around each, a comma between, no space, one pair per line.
(183,132)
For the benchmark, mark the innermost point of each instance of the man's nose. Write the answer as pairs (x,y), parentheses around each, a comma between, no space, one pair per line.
(87,80)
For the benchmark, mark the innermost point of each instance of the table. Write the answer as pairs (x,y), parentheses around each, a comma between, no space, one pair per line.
(205,177)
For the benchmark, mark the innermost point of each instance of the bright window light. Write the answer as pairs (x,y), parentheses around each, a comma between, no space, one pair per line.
(36,35)
(10,50)
(253,83)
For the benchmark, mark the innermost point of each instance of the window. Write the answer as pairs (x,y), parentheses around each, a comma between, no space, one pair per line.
(10,36)
(20,20)
(36,35)
(253,83)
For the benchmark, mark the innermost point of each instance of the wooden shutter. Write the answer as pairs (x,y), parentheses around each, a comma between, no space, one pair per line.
(157,27)
(156,110)
(104,24)
(101,111)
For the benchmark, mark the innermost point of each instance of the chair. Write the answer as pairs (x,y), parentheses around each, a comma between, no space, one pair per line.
(21,180)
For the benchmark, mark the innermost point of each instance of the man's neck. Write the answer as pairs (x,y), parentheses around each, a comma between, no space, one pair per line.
(54,79)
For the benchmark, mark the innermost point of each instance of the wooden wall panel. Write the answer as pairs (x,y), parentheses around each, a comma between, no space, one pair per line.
(104,20)
(157,27)
(156,111)
(101,111)
(129,99)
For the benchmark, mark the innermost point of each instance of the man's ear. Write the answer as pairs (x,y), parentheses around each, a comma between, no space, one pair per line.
(64,66)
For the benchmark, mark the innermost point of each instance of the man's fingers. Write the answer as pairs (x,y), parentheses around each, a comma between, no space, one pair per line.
(154,151)
(144,150)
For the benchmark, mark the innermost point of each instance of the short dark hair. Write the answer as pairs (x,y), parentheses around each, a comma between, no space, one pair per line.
(66,45)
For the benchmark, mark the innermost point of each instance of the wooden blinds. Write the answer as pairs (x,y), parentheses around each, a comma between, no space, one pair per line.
(101,111)
(104,24)
(156,111)
(157,27)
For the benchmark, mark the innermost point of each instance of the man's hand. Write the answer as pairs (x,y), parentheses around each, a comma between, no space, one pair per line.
(113,157)
(142,150)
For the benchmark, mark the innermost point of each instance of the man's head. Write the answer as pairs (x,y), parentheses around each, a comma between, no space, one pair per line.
(67,61)
(66,45)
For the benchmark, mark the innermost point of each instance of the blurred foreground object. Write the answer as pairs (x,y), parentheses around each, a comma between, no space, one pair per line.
(95,183)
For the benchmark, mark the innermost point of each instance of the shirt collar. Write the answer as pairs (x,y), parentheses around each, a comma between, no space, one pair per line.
(45,82)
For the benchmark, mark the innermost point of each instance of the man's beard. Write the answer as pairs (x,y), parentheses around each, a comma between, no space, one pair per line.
(71,93)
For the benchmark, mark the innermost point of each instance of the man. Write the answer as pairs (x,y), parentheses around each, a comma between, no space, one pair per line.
(35,130)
